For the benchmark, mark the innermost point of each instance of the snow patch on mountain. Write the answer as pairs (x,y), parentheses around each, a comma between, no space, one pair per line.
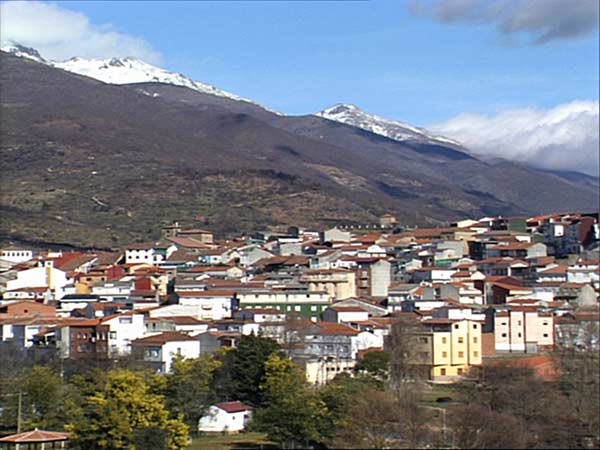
(398,131)
(24,52)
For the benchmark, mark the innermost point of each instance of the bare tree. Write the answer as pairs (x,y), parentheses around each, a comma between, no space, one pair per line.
(578,361)
(294,334)
(407,343)
(475,426)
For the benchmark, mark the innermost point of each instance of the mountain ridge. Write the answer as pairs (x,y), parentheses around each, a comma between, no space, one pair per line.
(70,141)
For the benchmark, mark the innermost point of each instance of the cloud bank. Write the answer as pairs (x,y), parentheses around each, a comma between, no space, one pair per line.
(544,20)
(59,33)
(561,138)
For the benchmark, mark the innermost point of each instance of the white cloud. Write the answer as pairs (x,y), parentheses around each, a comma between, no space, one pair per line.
(544,20)
(59,33)
(564,137)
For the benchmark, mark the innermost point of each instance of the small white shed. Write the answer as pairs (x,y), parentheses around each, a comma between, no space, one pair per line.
(226,416)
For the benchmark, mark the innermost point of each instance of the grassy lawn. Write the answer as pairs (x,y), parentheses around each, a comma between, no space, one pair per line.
(436,391)
(229,442)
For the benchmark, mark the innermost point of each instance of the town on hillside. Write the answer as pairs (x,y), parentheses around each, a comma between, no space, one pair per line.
(474,293)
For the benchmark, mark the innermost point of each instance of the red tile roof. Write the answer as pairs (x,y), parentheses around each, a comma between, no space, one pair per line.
(167,336)
(330,328)
(514,246)
(348,308)
(233,407)
(215,293)
(557,269)
(36,436)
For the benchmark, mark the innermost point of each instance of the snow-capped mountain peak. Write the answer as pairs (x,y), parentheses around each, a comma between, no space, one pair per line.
(352,115)
(124,70)
(132,70)
(24,52)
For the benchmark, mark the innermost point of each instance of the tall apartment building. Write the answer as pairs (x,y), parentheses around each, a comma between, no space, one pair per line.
(449,347)
(340,284)
(523,329)
(374,277)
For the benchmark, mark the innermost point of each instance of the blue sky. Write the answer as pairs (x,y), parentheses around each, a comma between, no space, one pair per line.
(300,57)
(512,78)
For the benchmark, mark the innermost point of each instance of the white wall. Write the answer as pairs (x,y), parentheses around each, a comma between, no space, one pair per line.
(124,329)
(218,420)
(187,349)
(38,277)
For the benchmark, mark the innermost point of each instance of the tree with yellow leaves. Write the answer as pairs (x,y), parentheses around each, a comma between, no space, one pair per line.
(126,413)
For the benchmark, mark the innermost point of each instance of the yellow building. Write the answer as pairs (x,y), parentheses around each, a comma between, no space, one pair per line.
(455,347)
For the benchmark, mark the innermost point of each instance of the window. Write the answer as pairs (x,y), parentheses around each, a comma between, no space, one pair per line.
(475,354)
(297,308)
(474,326)
(444,354)
(503,334)
(460,340)
(113,334)
(313,308)
(423,340)
(519,335)
(461,354)
(474,339)
(519,323)
(545,335)
(545,324)
(442,372)
(444,340)
(456,326)
(459,371)
(424,355)
(503,323)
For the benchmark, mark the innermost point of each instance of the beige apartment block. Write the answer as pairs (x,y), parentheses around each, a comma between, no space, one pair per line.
(340,284)
(523,329)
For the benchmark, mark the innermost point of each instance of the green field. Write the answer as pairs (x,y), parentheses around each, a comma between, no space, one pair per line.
(436,391)
(230,442)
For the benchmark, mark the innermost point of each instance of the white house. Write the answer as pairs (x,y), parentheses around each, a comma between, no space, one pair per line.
(433,274)
(15,254)
(154,254)
(48,276)
(340,314)
(113,290)
(160,350)
(225,417)
(124,328)
(212,305)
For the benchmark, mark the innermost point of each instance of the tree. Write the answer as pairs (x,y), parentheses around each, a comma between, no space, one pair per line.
(294,333)
(580,382)
(123,411)
(292,411)
(403,345)
(243,370)
(369,417)
(373,420)
(338,396)
(542,408)
(375,364)
(476,426)
(46,401)
(190,390)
